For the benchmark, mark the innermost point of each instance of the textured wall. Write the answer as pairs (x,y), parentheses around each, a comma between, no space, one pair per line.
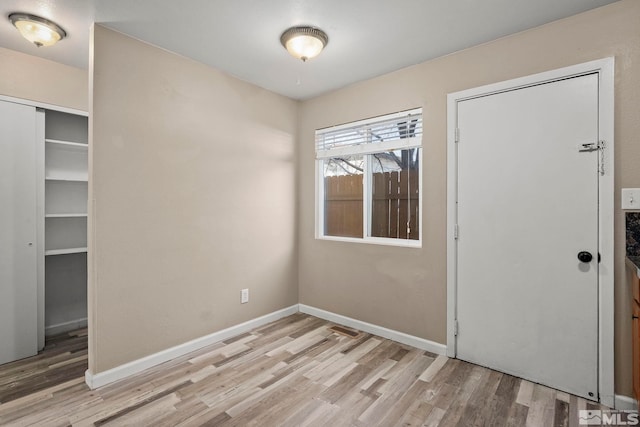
(192,176)
(29,77)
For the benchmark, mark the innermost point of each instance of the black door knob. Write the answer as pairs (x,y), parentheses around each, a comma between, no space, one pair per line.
(585,256)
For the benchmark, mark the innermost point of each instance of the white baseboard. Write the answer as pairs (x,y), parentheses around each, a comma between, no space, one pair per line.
(60,328)
(123,371)
(381,331)
(626,403)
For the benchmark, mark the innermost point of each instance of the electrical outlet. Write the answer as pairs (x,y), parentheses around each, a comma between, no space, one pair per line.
(244,296)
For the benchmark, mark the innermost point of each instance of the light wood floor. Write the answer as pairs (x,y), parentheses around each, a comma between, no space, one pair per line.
(297,372)
(64,357)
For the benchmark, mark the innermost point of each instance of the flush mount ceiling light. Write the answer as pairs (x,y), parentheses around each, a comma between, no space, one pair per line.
(304,42)
(37,30)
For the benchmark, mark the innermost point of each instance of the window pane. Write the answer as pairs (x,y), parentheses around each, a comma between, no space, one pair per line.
(395,194)
(343,196)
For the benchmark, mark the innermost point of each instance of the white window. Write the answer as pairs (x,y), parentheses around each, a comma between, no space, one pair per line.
(368,180)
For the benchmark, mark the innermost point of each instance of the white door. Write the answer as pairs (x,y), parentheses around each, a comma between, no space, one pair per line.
(18,262)
(527,206)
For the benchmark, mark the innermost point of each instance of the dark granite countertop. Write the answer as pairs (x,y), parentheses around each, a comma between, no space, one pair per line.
(632,224)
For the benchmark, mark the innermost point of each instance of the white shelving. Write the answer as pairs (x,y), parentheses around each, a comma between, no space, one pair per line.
(66,152)
(65,160)
(79,145)
(65,251)
(66,215)
(65,177)
(65,197)
(64,233)
(66,181)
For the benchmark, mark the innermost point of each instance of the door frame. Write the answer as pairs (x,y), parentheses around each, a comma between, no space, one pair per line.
(606,190)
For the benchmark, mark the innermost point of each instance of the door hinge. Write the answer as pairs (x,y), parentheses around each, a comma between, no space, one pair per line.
(455,328)
(455,232)
(457,134)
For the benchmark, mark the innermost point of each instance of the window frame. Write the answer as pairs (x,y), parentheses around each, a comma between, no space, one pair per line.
(367,151)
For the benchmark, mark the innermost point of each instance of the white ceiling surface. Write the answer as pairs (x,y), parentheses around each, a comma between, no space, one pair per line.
(367,38)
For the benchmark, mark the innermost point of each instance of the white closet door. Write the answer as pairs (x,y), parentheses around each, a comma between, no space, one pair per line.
(18,245)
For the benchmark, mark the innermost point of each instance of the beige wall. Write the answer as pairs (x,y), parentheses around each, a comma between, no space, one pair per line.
(405,289)
(36,79)
(193,182)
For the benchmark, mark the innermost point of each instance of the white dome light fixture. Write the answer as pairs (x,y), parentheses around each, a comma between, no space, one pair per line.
(37,30)
(304,42)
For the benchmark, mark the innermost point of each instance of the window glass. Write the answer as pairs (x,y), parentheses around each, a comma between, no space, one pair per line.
(368,180)
(395,194)
(343,196)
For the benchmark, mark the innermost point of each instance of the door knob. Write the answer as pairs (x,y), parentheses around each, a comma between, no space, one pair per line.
(585,256)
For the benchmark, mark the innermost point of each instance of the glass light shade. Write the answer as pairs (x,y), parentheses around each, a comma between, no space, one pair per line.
(304,47)
(304,42)
(38,31)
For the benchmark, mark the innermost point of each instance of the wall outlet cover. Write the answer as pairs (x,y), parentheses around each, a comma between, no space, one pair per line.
(631,198)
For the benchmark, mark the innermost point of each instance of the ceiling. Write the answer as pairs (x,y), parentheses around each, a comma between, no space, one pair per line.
(367,38)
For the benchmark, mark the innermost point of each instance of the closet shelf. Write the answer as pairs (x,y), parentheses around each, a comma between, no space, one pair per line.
(66,178)
(66,215)
(64,251)
(69,144)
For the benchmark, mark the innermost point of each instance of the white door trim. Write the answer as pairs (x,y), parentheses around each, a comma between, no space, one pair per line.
(605,69)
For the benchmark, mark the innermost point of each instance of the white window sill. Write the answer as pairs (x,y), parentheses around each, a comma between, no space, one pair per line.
(375,241)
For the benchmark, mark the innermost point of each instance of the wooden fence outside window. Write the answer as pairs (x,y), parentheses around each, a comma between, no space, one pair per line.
(394,208)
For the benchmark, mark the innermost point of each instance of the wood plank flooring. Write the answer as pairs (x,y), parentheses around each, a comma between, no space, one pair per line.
(64,357)
(297,372)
